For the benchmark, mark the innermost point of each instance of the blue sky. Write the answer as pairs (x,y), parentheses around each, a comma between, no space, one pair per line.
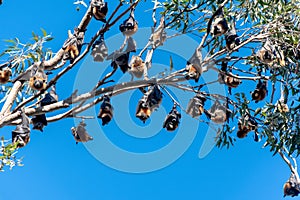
(57,168)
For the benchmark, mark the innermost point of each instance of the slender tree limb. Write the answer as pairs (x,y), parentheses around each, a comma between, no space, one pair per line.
(287,161)
(64,115)
(86,19)
(273,92)
(114,90)
(115,11)
(11,97)
(241,77)
(53,62)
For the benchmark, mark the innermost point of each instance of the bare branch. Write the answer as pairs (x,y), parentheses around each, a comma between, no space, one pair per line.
(287,161)
(11,97)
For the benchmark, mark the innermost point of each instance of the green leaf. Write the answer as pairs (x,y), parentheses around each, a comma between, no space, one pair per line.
(171,63)
(49,39)
(44,32)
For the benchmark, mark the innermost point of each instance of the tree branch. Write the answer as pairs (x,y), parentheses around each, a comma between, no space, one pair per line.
(287,161)
(70,66)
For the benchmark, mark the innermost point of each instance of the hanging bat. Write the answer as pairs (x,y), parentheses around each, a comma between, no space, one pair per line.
(227,78)
(291,187)
(40,121)
(196,105)
(267,54)
(50,98)
(35,75)
(231,81)
(99,50)
(260,92)
(137,66)
(219,26)
(21,135)
(72,45)
(218,113)
(99,10)
(143,110)
(159,36)
(232,39)
(245,126)
(154,97)
(270,53)
(121,59)
(80,134)
(129,26)
(194,64)
(106,111)
(172,120)
(39,80)
(149,102)
(5,74)
(281,106)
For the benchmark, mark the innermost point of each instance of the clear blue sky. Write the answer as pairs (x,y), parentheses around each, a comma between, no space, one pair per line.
(57,168)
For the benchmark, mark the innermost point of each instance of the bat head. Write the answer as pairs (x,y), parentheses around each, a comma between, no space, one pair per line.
(192,73)
(21,136)
(5,75)
(37,83)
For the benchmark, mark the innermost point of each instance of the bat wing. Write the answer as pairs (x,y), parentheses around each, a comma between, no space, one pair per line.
(131,45)
(83,134)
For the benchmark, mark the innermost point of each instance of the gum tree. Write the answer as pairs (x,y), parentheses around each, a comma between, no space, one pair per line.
(251,42)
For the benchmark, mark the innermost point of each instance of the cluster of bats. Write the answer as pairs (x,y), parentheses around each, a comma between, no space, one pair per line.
(218,113)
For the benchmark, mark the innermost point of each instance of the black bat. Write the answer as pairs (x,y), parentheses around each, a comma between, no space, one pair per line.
(129,26)
(39,121)
(21,135)
(106,111)
(291,187)
(172,120)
